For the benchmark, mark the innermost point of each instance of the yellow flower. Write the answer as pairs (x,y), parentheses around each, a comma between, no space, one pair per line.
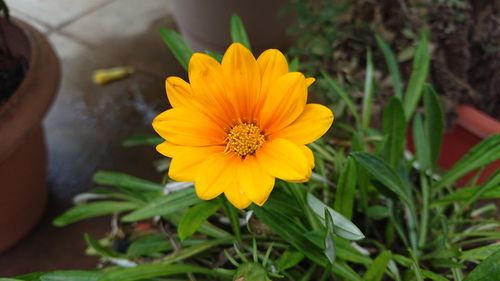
(239,124)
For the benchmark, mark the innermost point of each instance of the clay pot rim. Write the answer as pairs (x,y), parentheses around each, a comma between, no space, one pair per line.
(27,106)
(477,122)
(11,103)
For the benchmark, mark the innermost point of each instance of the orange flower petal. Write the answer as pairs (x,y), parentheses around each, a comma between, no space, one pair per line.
(242,77)
(208,84)
(178,92)
(236,196)
(256,183)
(310,81)
(309,155)
(313,123)
(286,101)
(216,175)
(272,64)
(183,126)
(285,160)
(186,161)
(168,149)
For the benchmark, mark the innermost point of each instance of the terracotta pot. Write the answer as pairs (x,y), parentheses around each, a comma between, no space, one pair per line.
(471,127)
(23,187)
(205,24)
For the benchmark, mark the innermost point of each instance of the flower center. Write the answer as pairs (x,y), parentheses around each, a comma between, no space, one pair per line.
(244,139)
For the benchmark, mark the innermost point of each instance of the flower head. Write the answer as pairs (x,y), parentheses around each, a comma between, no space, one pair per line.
(239,124)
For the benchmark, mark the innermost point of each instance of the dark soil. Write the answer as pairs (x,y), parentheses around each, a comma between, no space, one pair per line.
(465,44)
(12,72)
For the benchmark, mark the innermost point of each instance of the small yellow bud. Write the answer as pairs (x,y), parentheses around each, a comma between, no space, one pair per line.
(104,76)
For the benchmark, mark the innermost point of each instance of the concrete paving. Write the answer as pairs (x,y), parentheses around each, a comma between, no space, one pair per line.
(87,123)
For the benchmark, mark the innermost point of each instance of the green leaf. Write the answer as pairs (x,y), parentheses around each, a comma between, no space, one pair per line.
(346,189)
(488,270)
(392,65)
(421,144)
(342,226)
(188,252)
(345,271)
(433,123)
(294,65)
(343,95)
(71,275)
(432,276)
(481,253)
(465,193)
(148,245)
(381,171)
(238,33)
(98,248)
(346,251)
(10,279)
(142,140)
(164,205)
(288,259)
(328,240)
(492,183)
(480,155)
(94,209)
(232,214)
(123,180)
(394,127)
(420,70)
(34,276)
(368,93)
(177,46)
(195,217)
(376,270)
(145,271)
(378,212)
(288,229)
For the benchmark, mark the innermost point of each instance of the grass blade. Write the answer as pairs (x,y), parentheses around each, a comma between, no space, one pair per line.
(195,216)
(376,270)
(433,123)
(177,46)
(394,128)
(164,205)
(420,70)
(368,93)
(421,141)
(146,271)
(343,95)
(238,32)
(127,181)
(91,210)
(392,65)
(381,171)
(346,189)
(480,155)
(489,269)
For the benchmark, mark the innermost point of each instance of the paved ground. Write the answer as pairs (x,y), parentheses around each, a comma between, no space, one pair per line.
(87,122)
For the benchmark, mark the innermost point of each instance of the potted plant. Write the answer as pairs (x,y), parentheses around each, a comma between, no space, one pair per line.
(407,223)
(203,23)
(29,78)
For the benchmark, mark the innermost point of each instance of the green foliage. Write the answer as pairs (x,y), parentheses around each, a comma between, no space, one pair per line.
(420,70)
(177,46)
(487,270)
(238,33)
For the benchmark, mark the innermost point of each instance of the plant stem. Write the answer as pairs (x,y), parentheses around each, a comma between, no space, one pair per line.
(424,219)
(299,194)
